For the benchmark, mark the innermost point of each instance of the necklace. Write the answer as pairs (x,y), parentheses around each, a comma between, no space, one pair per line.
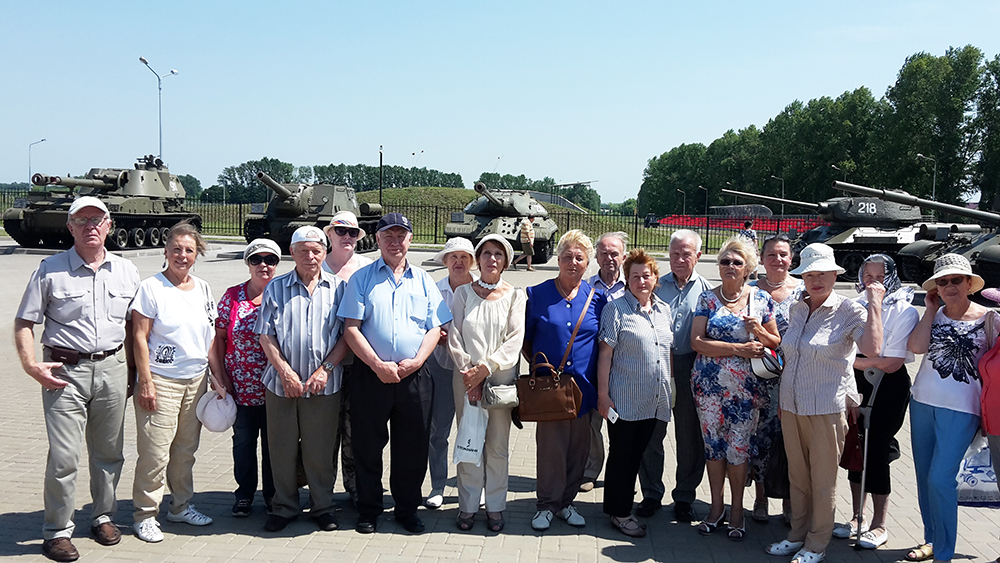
(489,286)
(774,285)
(722,295)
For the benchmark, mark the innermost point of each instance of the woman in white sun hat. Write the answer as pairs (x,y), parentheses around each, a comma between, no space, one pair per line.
(953,335)
(825,332)
(459,257)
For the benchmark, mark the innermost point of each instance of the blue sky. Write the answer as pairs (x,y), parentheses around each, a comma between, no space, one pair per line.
(572,90)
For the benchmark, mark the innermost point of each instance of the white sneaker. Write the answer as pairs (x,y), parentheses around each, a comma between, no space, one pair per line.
(434,501)
(190,516)
(542,520)
(572,517)
(148,530)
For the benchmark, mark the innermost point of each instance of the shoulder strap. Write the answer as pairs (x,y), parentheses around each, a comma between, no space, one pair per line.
(586,307)
(991,335)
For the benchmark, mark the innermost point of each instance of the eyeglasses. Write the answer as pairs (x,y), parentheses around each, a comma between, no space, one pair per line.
(84,221)
(734,263)
(341,231)
(957,280)
(269,259)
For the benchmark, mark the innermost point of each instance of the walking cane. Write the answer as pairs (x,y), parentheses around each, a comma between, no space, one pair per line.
(873,376)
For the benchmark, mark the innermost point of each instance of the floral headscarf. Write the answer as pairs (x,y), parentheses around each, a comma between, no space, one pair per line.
(894,290)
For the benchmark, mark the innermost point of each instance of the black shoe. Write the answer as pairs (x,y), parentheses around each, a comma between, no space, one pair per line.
(366,525)
(684,512)
(242,508)
(647,507)
(60,549)
(276,523)
(327,522)
(411,522)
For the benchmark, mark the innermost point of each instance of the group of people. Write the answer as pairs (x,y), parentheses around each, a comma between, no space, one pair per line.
(343,355)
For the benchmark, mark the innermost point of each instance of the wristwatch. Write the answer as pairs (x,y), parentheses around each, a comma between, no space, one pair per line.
(328,366)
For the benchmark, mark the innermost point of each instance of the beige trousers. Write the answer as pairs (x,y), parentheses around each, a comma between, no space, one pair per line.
(493,471)
(814,445)
(166,440)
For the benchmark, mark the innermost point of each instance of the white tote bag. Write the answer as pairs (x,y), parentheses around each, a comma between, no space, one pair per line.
(471,433)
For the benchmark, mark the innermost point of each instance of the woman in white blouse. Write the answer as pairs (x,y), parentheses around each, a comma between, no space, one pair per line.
(485,342)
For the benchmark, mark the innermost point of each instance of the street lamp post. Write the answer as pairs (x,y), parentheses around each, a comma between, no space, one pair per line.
(782,193)
(29,159)
(700,187)
(934,183)
(380,174)
(159,96)
(683,201)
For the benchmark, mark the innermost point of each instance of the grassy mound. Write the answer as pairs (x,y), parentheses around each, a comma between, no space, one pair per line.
(450,198)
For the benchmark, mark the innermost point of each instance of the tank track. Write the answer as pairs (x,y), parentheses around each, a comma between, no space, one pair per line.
(126,235)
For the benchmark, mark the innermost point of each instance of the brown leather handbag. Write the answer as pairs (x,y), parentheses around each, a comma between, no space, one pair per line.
(552,396)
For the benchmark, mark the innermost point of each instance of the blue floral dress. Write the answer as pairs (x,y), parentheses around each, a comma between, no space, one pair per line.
(726,392)
(768,424)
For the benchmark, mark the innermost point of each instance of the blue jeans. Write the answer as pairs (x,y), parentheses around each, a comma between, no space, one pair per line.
(251,423)
(939,438)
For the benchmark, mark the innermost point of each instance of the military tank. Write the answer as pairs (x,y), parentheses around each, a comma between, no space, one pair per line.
(144,204)
(296,205)
(500,212)
(859,227)
(979,244)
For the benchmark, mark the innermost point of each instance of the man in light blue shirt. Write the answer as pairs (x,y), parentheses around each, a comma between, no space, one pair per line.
(680,289)
(393,312)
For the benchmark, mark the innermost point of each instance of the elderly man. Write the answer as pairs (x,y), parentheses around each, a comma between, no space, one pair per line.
(81,295)
(680,289)
(610,280)
(300,333)
(392,312)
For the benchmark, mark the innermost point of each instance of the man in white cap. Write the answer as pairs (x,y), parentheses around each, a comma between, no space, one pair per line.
(344,234)
(392,314)
(300,333)
(81,295)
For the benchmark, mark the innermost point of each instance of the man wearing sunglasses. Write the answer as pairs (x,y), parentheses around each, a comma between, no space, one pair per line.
(81,295)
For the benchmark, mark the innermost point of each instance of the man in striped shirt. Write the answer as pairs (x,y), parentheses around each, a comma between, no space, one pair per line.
(300,333)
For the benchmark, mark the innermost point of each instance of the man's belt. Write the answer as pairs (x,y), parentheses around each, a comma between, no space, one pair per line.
(73,357)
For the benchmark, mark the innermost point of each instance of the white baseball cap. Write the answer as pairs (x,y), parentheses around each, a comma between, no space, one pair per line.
(308,233)
(87,201)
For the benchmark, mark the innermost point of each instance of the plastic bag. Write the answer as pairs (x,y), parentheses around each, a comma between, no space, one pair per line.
(977,481)
(471,434)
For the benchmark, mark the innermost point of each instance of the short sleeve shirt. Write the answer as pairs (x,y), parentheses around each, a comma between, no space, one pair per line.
(614,291)
(83,309)
(245,359)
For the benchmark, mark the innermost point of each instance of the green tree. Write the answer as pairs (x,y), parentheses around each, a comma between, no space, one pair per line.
(678,168)
(213,194)
(192,186)
(986,172)
(242,186)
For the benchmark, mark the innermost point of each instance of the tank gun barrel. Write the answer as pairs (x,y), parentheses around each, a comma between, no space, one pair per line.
(907,199)
(43,180)
(483,190)
(277,188)
(803,204)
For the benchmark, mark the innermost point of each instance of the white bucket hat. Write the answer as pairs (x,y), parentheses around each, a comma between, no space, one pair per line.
(504,243)
(344,219)
(817,257)
(950,265)
(457,244)
(260,246)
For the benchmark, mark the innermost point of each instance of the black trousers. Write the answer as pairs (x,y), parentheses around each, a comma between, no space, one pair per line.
(627,442)
(888,413)
(381,412)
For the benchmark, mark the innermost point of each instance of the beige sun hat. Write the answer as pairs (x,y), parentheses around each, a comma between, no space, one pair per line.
(950,265)
(817,257)
(504,243)
(344,219)
(456,244)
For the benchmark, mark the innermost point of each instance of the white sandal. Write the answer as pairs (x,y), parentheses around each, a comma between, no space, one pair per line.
(806,556)
(784,547)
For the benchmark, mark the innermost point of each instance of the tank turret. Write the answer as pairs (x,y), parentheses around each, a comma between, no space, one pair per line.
(144,202)
(501,212)
(295,205)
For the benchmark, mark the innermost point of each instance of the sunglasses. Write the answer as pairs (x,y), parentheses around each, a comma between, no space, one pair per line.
(83,221)
(735,263)
(269,259)
(341,231)
(957,280)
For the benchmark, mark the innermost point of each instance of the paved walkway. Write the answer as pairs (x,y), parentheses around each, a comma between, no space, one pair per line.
(22,458)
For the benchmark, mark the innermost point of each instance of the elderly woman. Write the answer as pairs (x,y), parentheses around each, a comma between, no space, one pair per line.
(633,374)
(554,309)
(172,319)
(458,256)
(344,233)
(784,290)
(945,407)
(898,320)
(484,341)
(733,323)
(238,361)
(825,332)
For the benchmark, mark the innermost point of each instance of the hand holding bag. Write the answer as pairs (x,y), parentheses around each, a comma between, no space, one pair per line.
(771,364)
(551,397)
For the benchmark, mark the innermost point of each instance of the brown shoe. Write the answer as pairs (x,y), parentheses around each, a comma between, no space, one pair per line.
(106,533)
(60,549)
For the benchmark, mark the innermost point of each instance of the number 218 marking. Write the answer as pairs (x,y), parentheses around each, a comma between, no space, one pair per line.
(867,207)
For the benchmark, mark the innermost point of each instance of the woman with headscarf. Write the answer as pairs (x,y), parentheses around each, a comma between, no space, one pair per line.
(889,402)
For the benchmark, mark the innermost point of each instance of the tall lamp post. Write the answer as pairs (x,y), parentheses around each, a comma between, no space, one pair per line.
(782,193)
(159,96)
(700,187)
(683,201)
(934,183)
(380,174)
(29,159)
